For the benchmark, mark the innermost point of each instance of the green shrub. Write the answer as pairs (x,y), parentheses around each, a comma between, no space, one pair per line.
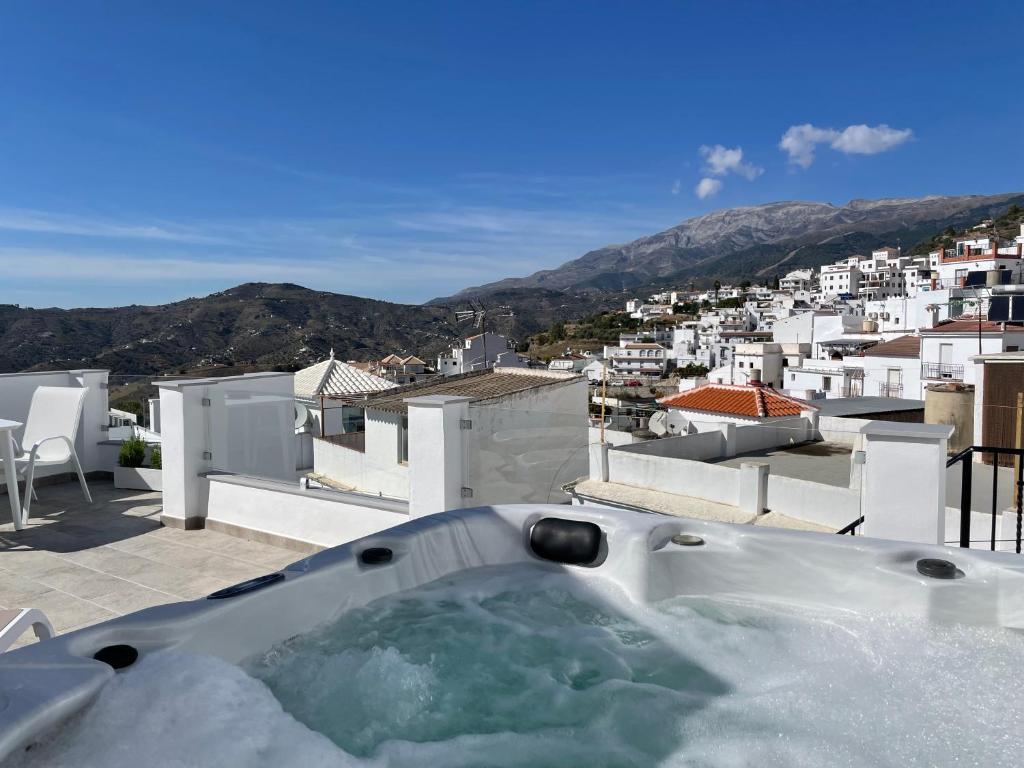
(132,453)
(156,461)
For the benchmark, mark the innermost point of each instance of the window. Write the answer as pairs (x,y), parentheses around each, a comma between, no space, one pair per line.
(403,440)
(792,377)
(826,383)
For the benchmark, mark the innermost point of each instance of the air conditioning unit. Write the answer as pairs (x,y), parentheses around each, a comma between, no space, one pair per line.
(872,316)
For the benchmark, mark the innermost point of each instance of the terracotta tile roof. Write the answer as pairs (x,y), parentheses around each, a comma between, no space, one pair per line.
(968,325)
(904,346)
(478,385)
(738,400)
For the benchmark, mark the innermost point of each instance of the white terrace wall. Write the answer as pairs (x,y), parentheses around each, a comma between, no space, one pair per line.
(680,476)
(16,394)
(814,502)
(242,424)
(375,470)
(272,511)
(772,434)
(696,447)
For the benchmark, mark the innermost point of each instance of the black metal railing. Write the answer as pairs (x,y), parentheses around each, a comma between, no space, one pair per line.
(851,528)
(966,460)
(949,371)
(890,390)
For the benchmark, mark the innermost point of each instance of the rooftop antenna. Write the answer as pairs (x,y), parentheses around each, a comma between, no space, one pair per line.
(478,314)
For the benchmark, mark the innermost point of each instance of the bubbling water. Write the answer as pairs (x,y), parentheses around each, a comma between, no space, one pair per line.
(517,666)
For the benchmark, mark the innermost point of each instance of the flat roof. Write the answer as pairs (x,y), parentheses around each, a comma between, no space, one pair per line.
(858,406)
(827,463)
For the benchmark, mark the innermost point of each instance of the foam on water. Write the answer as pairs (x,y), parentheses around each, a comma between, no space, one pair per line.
(520,667)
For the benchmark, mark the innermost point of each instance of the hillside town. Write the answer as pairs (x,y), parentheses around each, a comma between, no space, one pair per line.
(510,385)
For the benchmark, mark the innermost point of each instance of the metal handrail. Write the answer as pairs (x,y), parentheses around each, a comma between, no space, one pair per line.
(851,528)
(965,457)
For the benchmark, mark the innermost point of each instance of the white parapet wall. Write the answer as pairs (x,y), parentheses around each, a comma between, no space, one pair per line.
(289,515)
(238,424)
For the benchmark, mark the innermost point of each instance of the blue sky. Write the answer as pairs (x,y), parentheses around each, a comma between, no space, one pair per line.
(154,151)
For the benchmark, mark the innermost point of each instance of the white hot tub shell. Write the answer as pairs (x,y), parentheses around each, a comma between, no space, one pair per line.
(43,684)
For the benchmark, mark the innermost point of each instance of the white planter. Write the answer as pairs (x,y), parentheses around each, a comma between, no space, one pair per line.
(138,478)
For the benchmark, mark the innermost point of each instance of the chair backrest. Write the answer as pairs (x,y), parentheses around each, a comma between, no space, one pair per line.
(54,412)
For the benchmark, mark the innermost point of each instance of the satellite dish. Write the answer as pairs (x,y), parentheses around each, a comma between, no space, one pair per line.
(302,416)
(677,423)
(658,423)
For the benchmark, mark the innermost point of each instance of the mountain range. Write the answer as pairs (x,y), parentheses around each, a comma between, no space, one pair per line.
(753,242)
(259,326)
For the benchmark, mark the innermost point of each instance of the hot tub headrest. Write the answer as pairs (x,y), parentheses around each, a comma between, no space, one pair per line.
(575,542)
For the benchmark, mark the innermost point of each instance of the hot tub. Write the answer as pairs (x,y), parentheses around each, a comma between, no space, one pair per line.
(525,635)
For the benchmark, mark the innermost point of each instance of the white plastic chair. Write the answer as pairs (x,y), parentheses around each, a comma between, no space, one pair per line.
(14,623)
(50,431)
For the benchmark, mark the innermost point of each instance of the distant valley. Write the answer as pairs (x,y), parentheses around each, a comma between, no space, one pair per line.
(257,326)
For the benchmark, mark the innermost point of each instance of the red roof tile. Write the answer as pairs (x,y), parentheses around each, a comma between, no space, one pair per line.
(904,346)
(736,400)
(968,325)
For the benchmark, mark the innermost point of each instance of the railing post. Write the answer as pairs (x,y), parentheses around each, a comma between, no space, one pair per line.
(965,500)
(1020,500)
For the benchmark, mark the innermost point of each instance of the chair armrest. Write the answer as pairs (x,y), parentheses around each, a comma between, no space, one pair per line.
(35,448)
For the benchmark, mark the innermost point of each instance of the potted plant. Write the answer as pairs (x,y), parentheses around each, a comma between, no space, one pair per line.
(130,472)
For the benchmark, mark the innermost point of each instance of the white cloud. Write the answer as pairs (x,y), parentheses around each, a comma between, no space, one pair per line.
(677,187)
(708,187)
(865,140)
(800,141)
(46,222)
(719,161)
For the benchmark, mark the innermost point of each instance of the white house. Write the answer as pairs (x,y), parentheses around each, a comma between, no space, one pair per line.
(516,433)
(797,280)
(947,348)
(842,277)
(706,407)
(570,363)
(893,368)
(475,354)
(638,359)
(327,389)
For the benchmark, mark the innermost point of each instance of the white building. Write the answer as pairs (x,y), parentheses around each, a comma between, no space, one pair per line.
(841,278)
(947,348)
(797,280)
(706,407)
(513,430)
(570,363)
(893,368)
(476,353)
(637,359)
(329,387)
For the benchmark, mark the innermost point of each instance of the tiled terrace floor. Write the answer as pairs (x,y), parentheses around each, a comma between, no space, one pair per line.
(85,563)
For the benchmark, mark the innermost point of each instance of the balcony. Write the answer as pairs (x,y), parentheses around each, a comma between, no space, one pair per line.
(942,371)
(890,390)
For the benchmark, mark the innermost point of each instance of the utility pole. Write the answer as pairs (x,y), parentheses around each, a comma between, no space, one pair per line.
(604,394)
(1016,444)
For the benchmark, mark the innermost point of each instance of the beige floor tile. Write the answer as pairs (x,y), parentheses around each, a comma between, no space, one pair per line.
(65,611)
